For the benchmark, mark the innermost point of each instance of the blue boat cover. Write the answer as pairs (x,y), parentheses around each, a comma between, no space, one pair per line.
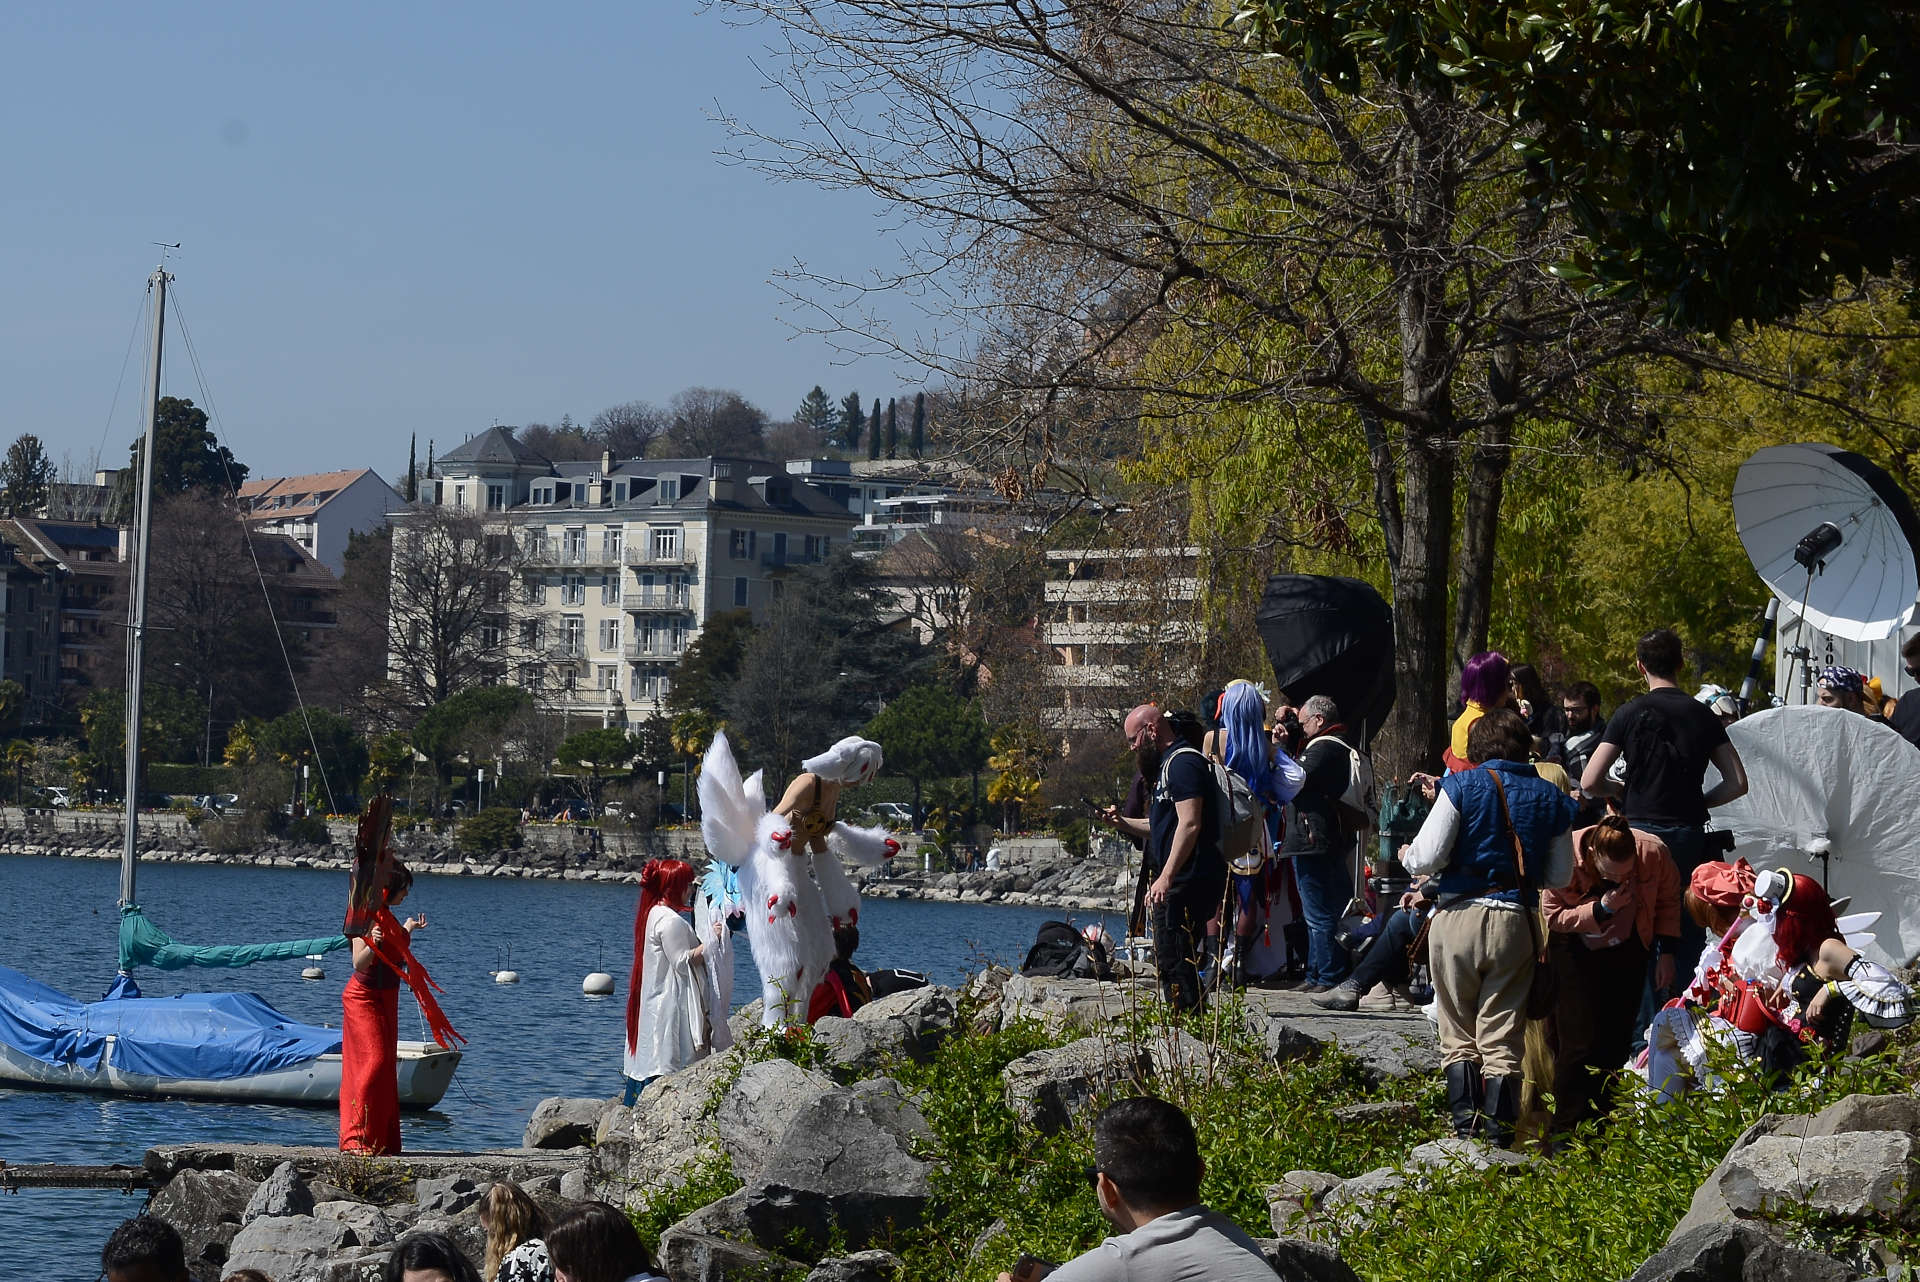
(210,1036)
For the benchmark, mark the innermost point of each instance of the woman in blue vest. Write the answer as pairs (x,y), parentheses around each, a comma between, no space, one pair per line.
(1484,938)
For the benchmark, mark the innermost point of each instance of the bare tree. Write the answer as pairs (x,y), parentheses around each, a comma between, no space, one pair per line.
(449,607)
(1144,232)
(713,420)
(630,428)
(558,441)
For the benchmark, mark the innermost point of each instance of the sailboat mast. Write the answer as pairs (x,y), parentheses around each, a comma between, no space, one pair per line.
(137,596)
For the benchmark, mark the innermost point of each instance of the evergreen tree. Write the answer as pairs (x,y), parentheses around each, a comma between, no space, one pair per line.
(873,431)
(25,476)
(412,492)
(429,458)
(919,424)
(816,412)
(852,420)
(893,429)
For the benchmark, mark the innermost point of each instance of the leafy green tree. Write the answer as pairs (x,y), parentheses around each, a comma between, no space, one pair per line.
(601,752)
(470,724)
(13,705)
(342,756)
(187,456)
(707,671)
(928,732)
(816,412)
(388,756)
(1726,164)
(172,723)
(853,420)
(25,475)
(495,828)
(20,759)
(653,742)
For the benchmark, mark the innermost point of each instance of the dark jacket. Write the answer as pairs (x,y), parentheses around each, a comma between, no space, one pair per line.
(1483,857)
(1315,824)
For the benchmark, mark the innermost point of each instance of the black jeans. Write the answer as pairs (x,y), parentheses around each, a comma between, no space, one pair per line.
(1597,1002)
(1179,928)
(1385,961)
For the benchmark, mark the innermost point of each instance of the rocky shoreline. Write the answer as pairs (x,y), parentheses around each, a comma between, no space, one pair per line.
(817,1166)
(1034,875)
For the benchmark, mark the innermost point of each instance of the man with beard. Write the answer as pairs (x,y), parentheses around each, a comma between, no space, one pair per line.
(1182,835)
(1580,702)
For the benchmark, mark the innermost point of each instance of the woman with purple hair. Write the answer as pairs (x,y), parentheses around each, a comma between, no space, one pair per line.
(1484,685)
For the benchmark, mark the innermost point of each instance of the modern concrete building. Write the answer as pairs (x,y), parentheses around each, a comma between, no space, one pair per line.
(1122,623)
(319,511)
(30,591)
(619,564)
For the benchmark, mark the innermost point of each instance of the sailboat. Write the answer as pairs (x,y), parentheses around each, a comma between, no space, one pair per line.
(224,1046)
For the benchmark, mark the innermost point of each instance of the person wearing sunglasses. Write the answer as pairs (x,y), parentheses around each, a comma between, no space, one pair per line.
(1146,1177)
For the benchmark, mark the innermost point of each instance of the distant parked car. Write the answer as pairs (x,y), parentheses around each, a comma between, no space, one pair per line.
(892,812)
(59,798)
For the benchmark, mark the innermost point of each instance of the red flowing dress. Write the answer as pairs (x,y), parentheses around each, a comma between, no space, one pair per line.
(369,1055)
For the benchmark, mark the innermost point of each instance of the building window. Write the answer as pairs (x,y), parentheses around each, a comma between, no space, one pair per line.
(530,633)
(740,545)
(619,491)
(573,635)
(780,547)
(610,589)
(609,634)
(496,497)
(459,496)
(573,547)
(609,677)
(536,591)
(666,543)
(610,543)
(669,490)
(740,591)
(573,589)
(490,636)
(499,547)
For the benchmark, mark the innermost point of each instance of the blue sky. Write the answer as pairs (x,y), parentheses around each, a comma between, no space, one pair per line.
(400,218)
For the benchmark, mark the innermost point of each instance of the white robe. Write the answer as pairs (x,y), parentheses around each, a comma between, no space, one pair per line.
(710,924)
(673,1003)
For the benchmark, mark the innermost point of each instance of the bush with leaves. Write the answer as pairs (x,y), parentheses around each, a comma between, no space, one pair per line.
(495,828)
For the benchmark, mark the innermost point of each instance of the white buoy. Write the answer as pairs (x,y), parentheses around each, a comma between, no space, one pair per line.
(506,976)
(598,984)
(313,972)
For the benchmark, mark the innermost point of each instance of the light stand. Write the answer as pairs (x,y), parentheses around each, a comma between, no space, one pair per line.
(1811,553)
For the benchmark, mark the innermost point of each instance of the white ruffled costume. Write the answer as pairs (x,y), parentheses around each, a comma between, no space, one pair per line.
(853,760)
(716,899)
(791,901)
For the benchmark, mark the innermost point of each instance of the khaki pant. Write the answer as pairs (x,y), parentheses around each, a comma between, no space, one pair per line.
(1482,961)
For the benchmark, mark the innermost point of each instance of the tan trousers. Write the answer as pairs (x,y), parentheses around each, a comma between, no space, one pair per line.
(1482,968)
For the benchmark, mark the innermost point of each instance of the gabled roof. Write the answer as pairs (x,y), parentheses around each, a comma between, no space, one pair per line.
(271,498)
(496,445)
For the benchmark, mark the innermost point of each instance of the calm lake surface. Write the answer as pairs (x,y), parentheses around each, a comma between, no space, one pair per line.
(527,1041)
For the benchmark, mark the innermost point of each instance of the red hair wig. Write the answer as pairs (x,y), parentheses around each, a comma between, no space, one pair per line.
(1803,922)
(662,881)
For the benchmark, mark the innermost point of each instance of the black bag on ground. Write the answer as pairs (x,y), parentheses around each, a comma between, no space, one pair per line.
(885,983)
(1059,951)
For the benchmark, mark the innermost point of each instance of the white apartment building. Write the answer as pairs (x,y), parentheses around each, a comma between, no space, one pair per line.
(620,563)
(319,511)
(1120,622)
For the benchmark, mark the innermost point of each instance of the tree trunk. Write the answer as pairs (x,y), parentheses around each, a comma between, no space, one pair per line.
(1486,477)
(1414,733)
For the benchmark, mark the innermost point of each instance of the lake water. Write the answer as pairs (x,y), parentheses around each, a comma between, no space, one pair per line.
(527,1041)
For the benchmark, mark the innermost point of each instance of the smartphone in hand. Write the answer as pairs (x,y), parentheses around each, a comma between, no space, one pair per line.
(1032,1268)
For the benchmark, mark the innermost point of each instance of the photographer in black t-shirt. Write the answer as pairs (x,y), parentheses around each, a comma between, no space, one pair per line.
(1668,738)
(1182,834)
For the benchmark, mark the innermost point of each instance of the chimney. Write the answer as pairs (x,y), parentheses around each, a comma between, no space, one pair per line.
(606,462)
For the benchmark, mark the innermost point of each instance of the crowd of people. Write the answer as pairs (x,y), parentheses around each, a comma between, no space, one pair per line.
(1566,871)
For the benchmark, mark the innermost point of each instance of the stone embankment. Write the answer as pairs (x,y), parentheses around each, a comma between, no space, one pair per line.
(827,1162)
(1029,873)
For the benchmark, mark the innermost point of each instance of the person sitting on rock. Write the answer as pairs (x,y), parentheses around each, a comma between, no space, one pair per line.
(1146,1176)
(428,1257)
(596,1242)
(845,989)
(144,1249)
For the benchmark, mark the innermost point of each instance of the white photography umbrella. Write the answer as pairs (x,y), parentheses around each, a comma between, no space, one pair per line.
(1825,527)
(1833,793)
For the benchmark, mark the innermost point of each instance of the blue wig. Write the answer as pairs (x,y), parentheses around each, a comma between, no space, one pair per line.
(1243,713)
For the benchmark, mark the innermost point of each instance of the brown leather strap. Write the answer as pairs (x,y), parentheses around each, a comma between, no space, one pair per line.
(1519,865)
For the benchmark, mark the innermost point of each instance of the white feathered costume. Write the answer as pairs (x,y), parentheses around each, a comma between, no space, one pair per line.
(851,761)
(787,920)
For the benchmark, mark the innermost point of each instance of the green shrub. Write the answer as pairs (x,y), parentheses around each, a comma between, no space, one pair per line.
(495,828)
(191,781)
(308,830)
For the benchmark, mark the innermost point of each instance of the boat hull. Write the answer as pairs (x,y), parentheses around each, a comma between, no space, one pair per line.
(424,1071)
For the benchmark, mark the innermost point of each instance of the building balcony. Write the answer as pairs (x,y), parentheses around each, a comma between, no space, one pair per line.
(646,554)
(678,600)
(1177,632)
(651,651)
(1130,590)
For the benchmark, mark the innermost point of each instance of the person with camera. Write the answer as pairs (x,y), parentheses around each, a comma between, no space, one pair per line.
(1496,833)
(1318,839)
(1621,908)
(1146,1176)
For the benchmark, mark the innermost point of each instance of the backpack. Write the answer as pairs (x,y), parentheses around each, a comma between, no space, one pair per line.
(1243,821)
(1362,795)
(1058,951)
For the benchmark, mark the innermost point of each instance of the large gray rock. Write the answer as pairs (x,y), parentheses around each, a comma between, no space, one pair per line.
(368,1224)
(1048,1089)
(854,1048)
(204,1207)
(284,1192)
(668,1132)
(844,1171)
(861,1266)
(1451,1154)
(1736,1252)
(289,1248)
(1061,1005)
(761,1106)
(1708,1207)
(1868,1113)
(564,1122)
(925,1016)
(1853,1175)
(1293,1203)
(708,1246)
(447,1195)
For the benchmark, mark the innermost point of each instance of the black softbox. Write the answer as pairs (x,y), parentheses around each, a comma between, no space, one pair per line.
(1332,636)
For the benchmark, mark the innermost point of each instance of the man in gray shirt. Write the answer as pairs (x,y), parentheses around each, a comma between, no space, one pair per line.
(1147,1178)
